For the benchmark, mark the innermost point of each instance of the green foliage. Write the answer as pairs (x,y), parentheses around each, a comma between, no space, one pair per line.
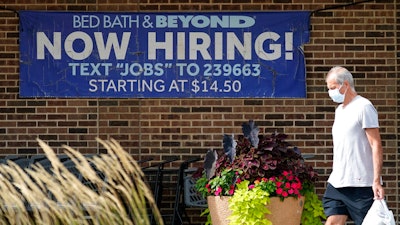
(313,211)
(248,206)
(224,184)
(267,186)
(206,212)
(201,185)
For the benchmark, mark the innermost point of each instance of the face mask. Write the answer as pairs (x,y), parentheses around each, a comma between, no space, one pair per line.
(336,96)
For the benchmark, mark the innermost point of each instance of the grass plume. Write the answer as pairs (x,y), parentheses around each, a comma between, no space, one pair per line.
(100,190)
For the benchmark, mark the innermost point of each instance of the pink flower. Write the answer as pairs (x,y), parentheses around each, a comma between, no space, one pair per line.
(284,194)
(285,173)
(218,191)
(251,186)
(279,191)
(296,185)
(232,190)
(278,184)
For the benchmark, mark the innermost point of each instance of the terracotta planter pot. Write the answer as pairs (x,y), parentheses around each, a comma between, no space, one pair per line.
(219,209)
(287,212)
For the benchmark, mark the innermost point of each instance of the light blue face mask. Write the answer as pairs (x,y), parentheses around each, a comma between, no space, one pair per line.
(336,96)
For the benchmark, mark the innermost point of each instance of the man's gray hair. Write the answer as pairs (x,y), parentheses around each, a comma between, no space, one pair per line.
(341,74)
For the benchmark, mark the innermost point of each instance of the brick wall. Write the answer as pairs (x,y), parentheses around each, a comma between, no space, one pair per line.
(363,37)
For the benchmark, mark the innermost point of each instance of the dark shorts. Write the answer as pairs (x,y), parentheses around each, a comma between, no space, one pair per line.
(351,201)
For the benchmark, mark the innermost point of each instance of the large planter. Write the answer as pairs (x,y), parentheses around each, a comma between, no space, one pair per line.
(287,212)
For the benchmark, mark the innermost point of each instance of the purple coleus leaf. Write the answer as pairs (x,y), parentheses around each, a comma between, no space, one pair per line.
(253,163)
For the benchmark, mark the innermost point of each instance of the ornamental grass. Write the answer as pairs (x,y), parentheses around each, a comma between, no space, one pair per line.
(110,189)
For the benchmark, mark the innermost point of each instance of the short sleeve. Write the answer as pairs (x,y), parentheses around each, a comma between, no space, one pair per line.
(370,117)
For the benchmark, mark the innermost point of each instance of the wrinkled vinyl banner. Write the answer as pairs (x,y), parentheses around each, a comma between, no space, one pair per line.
(163,55)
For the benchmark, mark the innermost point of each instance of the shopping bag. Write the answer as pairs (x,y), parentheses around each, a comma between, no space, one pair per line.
(379,214)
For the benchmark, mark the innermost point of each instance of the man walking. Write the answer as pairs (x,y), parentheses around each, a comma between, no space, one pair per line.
(355,180)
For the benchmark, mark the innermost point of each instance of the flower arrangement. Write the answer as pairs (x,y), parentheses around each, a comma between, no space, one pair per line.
(260,165)
(283,186)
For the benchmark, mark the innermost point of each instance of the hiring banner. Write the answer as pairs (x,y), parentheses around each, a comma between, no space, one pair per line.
(163,55)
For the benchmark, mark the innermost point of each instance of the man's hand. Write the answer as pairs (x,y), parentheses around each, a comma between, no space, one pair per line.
(379,192)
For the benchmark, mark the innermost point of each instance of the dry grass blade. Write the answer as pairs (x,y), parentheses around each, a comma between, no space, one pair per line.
(128,169)
(106,189)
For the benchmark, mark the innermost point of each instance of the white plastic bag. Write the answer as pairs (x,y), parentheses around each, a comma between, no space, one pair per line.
(379,214)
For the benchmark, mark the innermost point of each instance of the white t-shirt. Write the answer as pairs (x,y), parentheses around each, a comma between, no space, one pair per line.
(352,153)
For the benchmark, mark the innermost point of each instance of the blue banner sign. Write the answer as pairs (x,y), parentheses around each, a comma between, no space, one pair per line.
(163,55)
